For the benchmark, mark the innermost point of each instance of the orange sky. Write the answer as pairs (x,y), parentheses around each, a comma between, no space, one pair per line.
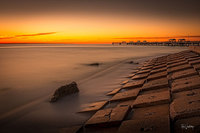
(88,28)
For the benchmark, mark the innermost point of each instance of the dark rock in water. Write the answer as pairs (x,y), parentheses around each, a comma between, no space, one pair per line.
(94,64)
(64,90)
(132,62)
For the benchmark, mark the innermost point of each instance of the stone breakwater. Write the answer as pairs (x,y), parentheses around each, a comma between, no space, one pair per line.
(161,96)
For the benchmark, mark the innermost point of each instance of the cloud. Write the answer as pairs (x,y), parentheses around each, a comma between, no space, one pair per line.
(6,37)
(37,34)
(158,37)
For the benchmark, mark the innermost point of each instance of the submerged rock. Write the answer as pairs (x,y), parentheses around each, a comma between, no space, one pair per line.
(94,64)
(132,62)
(64,90)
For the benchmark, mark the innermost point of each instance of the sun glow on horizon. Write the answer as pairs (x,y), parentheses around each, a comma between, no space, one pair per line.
(91,29)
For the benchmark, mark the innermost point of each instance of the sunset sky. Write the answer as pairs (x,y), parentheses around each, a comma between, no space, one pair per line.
(97,21)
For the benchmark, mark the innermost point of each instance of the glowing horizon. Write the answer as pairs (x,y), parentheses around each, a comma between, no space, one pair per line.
(88,25)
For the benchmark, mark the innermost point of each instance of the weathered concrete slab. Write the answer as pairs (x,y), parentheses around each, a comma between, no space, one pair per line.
(157,75)
(190,93)
(194,62)
(192,55)
(189,125)
(155,125)
(195,49)
(158,111)
(143,71)
(140,76)
(175,61)
(124,82)
(126,103)
(130,75)
(183,74)
(155,91)
(174,56)
(133,84)
(134,71)
(152,99)
(185,85)
(196,66)
(158,70)
(108,117)
(177,64)
(129,94)
(193,58)
(101,117)
(179,81)
(160,66)
(185,107)
(155,84)
(179,68)
(146,67)
(113,92)
(73,129)
(94,106)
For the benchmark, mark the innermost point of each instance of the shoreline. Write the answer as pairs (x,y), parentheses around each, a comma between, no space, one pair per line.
(8,117)
(118,72)
(160,101)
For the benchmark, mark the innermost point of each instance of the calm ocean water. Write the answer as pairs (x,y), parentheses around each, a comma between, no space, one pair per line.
(28,72)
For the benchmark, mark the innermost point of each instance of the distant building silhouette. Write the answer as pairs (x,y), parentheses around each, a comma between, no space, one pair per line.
(123,43)
(181,40)
(172,40)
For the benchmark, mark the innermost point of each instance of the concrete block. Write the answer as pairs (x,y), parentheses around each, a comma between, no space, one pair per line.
(130,75)
(190,93)
(133,84)
(177,81)
(189,125)
(157,75)
(154,91)
(158,111)
(124,82)
(143,71)
(155,125)
(152,99)
(140,76)
(177,64)
(160,66)
(94,106)
(194,62)
(196,66)
(125,95)
(126,103)
(158,70)
(113,92)
(176,60)
(108,117)
(184,85)
(185,107)
(193,58)
(183,74)
(178,68)
(155,84)
(146,67)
